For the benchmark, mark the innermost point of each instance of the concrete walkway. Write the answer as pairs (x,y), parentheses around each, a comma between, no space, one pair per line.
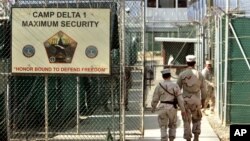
(152,131)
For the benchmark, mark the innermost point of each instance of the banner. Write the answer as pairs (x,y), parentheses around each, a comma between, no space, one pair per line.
(61,40)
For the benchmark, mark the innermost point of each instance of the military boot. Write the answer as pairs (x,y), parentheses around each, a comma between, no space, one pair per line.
(188,139)
(171,139)
(196,137)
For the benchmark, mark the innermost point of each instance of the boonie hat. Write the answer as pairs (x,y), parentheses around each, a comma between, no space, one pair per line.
(165,71)
(190,58)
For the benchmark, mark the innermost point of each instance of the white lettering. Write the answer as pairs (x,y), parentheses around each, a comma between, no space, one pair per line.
(239,132)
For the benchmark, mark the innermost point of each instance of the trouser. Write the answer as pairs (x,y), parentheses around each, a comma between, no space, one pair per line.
(167,119)
(194,115)
(117,92)
(210,98)
(125,99)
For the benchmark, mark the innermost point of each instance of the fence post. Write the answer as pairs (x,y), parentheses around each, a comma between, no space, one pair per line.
(122,71)
(46,108)
(226,63)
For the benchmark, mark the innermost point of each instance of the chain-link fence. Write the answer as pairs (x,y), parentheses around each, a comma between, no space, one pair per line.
(232,100)
(71,106)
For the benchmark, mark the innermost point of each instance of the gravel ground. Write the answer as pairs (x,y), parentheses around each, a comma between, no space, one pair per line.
(221,130)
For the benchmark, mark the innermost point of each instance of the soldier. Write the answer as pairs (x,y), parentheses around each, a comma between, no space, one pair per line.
(207,74)
(169,95)
(193,84)
(128,78)
(128,83)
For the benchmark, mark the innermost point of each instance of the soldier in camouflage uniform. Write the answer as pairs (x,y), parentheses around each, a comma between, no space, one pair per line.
(169,95)
(193,85)
(207,74)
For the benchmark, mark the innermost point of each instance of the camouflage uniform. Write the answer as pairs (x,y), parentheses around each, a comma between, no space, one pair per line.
(193,85)
(210,88)
(128,83)
(167,113)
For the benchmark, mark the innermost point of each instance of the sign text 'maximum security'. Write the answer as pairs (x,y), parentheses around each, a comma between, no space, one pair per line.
(60,24)
(44,22)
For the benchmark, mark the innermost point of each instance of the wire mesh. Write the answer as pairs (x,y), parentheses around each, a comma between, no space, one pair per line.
(237,77)
(238,64)
(74,107)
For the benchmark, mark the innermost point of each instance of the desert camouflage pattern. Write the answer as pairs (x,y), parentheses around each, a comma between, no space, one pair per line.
(167,114)
(210,89)
(193,85)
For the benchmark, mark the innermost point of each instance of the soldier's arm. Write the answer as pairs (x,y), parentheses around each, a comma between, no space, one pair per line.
(155,98)
(203,72)
(203,88)
(180,98)
(181,104)
(179,82)
(209,83)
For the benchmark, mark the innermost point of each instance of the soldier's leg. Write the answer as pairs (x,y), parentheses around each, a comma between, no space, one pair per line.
(163,123)
(196,129)
(196,121)
(105,99)
(128,86)
(116,93)
(187,124)
(206,101)
(172,115)
(209,94)
(206,104)
(212,101)
(126,99)
(187,120)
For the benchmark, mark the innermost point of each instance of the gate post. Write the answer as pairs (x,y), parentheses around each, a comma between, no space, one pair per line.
(46,107)
(122,71)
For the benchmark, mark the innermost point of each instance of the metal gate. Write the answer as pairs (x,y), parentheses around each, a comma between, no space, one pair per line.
(76,107)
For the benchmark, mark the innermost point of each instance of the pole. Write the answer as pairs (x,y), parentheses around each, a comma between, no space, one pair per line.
(217,63)
(77,104)
(143,61)
(221,67)
(226,62)
(122,72)
(8,104)
(46,108)
(209,14)
(240,46)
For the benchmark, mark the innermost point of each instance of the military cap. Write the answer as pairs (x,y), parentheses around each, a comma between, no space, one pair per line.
(208,62)
(190,58)
(165,71)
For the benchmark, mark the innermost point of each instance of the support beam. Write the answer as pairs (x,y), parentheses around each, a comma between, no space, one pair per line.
(185,40)
(240,46)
